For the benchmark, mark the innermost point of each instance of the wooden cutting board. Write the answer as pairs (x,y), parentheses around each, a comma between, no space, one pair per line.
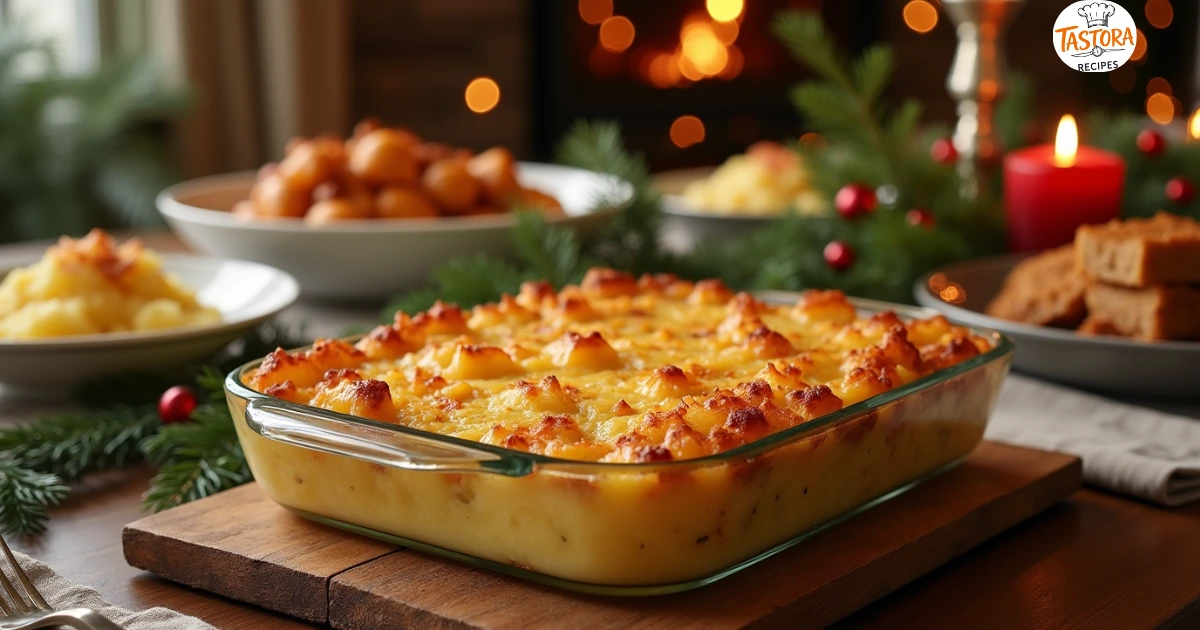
(241,545)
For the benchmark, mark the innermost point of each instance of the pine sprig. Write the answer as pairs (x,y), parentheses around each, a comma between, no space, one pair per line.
(204,457)
(25,498)
(196,459)
(121,427)
(846,103)
(1145,177)
(548,252)
(465,281)
(632,240)
(82,151)
(72,445)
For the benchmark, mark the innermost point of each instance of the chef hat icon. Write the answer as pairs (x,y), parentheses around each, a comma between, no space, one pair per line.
(1097,13)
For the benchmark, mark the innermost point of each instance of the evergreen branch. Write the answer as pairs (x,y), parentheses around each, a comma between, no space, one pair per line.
(25,498)
(631,241)
(71,445)
(1015,111)
(872,71)
(196,459)
(465,281)
(846,104)
(551,253)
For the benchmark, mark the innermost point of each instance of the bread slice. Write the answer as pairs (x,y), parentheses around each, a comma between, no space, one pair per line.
(1159,312)
(1045,290)
(1141,252)
(1096,326)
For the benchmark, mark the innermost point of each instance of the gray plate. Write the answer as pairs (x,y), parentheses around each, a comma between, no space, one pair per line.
(1169,369)
(686,227)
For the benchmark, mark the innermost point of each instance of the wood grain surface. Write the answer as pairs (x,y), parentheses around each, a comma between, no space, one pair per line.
(241,545)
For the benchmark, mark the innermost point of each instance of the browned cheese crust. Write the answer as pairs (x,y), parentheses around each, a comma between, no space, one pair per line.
(618,369)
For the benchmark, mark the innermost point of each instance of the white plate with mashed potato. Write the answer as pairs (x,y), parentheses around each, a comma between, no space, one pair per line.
(90,307)
(742,195)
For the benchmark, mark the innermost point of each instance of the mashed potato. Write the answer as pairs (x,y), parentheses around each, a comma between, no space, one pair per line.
(89,286)
(768,180)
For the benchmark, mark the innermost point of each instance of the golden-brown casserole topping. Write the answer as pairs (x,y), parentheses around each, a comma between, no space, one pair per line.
(619,369)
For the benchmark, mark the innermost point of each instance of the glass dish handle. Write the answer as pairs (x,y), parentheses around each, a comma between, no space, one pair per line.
(291,424)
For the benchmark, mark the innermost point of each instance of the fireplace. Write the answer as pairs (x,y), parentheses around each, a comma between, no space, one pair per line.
(412,61)
(691,70)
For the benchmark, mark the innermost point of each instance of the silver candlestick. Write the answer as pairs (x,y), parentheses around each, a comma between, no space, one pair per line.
(977,77)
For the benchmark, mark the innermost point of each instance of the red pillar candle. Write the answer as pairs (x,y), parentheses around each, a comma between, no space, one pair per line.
(1051,190)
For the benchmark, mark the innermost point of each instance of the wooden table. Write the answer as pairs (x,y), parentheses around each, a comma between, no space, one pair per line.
(1098,560)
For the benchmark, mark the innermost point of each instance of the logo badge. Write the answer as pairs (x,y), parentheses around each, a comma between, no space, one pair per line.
(1094,36)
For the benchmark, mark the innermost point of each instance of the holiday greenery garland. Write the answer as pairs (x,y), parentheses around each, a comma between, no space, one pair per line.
(119,427)
(870,247)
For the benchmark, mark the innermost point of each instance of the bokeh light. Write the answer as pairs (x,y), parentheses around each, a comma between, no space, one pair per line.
(1194,125)
(595,11)
(725,10)
(920,16)
(1139,49)
(1159,13)
(1160,108)
(737,61)
(727,32)
(687,67)
(937,282)
(616,33)
(704,50)
(1158,85)
(687,131)
(953,293)
(482,95)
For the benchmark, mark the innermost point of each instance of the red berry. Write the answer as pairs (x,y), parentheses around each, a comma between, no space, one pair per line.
(943,152)
(176,405)
(920,217)
(839,255)
(855,200)
(1180,190)
(1151,143)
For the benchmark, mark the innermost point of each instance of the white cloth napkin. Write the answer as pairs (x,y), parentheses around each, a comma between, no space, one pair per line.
(1127,449)
(61,594)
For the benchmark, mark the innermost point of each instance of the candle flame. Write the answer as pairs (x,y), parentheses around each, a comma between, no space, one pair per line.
(1194,125)
(1066,141)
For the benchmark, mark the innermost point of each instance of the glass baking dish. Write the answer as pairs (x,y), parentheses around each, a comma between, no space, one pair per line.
(616,528)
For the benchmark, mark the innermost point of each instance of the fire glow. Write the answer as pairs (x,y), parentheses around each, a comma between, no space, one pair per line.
(1066,141)
(705,50)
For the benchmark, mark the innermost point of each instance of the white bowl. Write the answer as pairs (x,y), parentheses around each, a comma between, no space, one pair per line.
(371,259)
(245,293)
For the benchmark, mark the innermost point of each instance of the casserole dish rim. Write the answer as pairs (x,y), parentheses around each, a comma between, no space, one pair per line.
(515,463)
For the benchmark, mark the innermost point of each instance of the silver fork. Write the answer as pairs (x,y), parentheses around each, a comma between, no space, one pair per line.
(34,612)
